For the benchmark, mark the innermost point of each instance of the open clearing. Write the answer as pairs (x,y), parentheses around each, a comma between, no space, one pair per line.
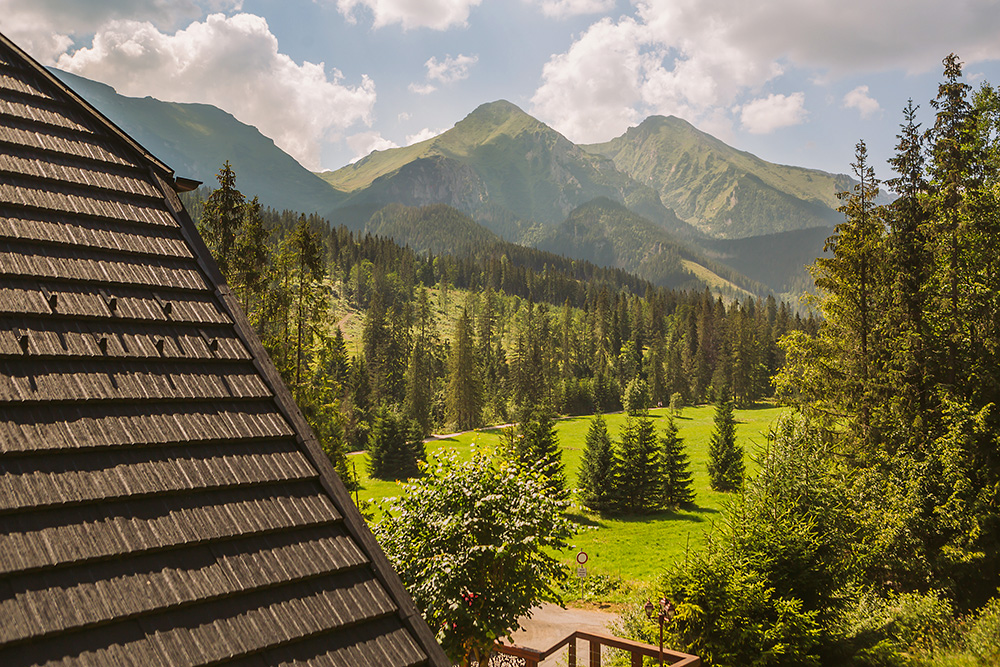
(635,549)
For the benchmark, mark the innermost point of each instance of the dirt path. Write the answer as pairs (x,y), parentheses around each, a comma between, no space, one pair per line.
(549,623)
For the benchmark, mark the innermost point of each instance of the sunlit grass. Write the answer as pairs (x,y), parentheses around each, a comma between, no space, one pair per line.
(636,549)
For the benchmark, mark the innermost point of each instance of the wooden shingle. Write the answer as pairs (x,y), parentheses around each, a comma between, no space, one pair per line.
(162,500)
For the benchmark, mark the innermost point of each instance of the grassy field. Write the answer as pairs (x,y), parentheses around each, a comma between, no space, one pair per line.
(634,549)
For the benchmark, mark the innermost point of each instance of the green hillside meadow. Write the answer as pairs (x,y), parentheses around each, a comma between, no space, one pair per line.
(635,549)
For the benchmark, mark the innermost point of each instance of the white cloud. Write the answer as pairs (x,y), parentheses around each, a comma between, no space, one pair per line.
(444,72)
(434,14)
(859,99)
(590,92)
(422,88)
(46,28)
(767,114)
(233,63)
(564,8)
(700,59)
(450,69)
(364,143)
(422,135)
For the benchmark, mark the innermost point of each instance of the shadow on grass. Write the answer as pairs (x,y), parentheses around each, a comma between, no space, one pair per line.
(585,520)
(691,513)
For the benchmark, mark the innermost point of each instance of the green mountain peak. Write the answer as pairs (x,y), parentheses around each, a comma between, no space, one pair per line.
(723,191)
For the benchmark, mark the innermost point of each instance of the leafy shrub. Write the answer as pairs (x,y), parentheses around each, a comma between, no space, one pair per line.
(983,638)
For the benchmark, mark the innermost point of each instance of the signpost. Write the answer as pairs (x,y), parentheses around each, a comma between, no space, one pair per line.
(581,559)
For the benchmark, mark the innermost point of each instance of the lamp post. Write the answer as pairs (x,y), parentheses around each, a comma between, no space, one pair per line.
(666,614)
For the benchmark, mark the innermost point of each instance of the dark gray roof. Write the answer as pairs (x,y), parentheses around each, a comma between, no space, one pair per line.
(162,501)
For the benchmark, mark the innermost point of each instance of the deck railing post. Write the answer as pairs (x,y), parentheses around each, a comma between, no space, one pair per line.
(636,659)
(571,660)
(595,653)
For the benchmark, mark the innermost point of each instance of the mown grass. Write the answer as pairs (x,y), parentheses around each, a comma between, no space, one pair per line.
(635,549)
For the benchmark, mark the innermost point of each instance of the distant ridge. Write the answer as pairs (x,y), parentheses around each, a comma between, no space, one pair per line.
(519,180)
(195,139)
(724,192)
(506,169)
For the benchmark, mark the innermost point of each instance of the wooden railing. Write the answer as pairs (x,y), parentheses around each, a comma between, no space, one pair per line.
(637,650)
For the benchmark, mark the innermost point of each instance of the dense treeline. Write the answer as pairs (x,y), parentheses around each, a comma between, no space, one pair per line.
(871,533)
(533,331)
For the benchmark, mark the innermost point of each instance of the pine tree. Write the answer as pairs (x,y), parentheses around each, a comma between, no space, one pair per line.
(637,484)
(677,483)
(464,394)
(251,256)
(725,458)
(538,447)
(306,249)
(596,480)
(419,371)
(393,450)
(221,217)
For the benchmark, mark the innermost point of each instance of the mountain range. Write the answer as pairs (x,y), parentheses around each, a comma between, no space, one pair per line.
(664,200)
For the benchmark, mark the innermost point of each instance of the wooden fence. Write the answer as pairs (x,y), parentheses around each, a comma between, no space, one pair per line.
(595,641)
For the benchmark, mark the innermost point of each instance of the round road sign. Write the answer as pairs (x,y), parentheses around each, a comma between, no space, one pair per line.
(581,557)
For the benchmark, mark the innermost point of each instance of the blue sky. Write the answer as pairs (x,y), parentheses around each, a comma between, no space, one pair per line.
(794,81)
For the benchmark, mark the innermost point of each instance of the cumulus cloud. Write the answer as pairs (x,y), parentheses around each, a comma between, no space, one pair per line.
(47,28)
(363,143)
(564,8)
(450,69)
(590,92)
(444,72)
(859,99)
(700,59)
(232,63)
(422,88)
(767,114)
(434,14)
(422,135)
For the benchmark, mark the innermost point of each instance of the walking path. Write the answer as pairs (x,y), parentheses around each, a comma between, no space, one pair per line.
(550,623)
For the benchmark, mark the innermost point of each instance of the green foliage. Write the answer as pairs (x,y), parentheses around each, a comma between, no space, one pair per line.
(676,404)
(534,444)
(882,631)
(726,468)
(638,482)
(676,468)
(728,615)
(464,397)
(774,583)
(463,535)
(394,448)
(983,637)
(636,397)
(596,482)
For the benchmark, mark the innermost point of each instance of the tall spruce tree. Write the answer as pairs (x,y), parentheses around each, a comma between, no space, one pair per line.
(678,487)
(393,449)
(638,480)
(538,447)
(464,394)
(595,484)
(725,458)
(221,217)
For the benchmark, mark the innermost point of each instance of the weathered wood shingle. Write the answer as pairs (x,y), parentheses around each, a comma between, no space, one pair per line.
(162,501)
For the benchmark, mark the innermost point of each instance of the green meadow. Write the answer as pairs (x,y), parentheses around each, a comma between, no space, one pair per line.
(635,549)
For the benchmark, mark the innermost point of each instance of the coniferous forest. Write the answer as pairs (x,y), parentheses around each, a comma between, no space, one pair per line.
(867,532)
(457,342)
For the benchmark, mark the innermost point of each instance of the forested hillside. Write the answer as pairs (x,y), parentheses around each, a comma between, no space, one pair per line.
(531,329)
(871,534)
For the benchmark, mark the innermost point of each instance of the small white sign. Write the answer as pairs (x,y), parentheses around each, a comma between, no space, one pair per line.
(581,557)
(581,572)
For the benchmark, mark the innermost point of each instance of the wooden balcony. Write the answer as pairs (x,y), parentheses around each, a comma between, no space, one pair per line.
(530,657)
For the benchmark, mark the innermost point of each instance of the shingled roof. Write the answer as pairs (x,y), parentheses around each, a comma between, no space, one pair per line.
(162,501)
